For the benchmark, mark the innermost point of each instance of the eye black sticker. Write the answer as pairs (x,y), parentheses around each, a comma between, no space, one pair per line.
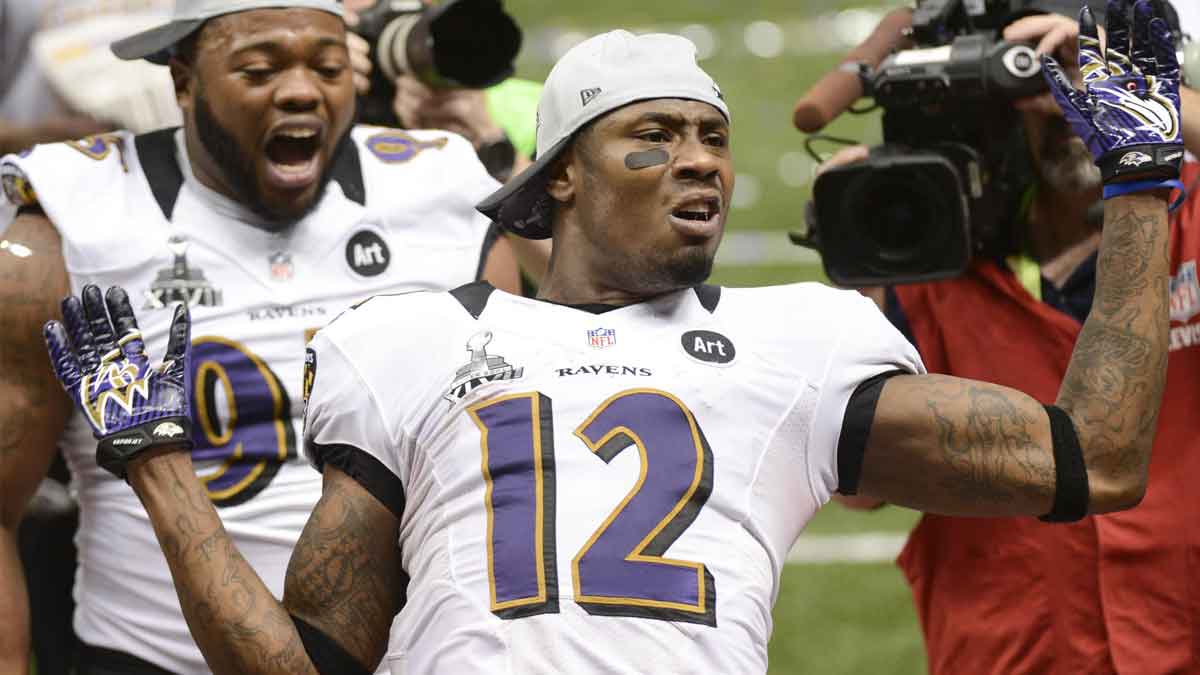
(646,159)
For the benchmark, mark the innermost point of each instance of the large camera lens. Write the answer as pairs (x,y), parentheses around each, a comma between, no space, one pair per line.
(461,43)
(892,219)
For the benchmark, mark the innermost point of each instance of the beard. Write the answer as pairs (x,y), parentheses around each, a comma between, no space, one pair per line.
(658,274)
(1067,166)
(237,166)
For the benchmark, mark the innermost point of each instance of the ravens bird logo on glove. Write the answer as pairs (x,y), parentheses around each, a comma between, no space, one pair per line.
(100,359)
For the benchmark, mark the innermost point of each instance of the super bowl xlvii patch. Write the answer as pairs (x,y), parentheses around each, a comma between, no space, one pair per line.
(480,369)
(17,188)
(1185,293)
(180,282)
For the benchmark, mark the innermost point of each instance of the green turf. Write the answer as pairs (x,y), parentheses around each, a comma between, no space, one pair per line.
(833,519)
(845,620)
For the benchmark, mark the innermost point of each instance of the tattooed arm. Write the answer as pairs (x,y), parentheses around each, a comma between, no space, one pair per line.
(961,447)
(33,408)
(344,577)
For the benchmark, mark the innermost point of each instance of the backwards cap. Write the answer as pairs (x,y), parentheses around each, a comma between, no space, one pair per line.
(596,77)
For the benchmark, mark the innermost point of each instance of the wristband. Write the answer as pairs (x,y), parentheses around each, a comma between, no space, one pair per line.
(1119,189)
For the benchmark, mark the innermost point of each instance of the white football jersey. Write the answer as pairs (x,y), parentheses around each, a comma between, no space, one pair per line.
(594,492)
(398,215)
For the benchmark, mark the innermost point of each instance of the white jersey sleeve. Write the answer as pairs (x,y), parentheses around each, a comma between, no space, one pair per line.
(344,426)
(867,346)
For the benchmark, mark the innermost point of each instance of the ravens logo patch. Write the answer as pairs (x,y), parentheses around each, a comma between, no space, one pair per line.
(17,188)
(310,373)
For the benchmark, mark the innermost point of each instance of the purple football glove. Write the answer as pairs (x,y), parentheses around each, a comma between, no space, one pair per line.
(100,360)
(1128,113)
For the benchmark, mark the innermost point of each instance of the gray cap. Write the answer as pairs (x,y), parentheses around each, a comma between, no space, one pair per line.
(155,44)
(597,76)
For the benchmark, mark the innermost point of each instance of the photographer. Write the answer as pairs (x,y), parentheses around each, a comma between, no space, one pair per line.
(500,120)
(1106,594)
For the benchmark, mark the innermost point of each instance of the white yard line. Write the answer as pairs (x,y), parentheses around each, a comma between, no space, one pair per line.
(868,547)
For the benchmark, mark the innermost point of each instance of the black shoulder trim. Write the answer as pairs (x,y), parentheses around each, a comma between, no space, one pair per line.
(856,429)
(365,469)
(709,296)
(473,297)
(327,656)
(31,209)
(160,166)
(347,171)
(489,240)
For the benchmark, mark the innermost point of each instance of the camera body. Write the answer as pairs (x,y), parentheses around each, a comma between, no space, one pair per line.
(954,165)
(457,43)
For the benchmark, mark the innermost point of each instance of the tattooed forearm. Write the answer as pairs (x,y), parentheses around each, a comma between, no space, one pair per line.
(962,447)
(345,575)
(238,625)
(344,578)
(1117,373)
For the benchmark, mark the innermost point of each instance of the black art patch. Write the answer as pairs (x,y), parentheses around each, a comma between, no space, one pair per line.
(367,254)
(707,346)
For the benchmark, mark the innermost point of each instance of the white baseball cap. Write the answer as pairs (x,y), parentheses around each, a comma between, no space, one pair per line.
(155,44)
(597,76)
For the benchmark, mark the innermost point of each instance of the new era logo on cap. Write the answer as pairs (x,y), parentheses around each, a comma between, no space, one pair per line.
(588,94)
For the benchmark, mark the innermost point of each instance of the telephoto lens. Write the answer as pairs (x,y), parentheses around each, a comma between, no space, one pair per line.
(459,43)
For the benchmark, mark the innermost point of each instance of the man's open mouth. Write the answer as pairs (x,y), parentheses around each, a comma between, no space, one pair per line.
(699,210)
(293,155)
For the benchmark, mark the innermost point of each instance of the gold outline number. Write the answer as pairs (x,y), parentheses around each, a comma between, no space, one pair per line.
(668,529)
(637,554)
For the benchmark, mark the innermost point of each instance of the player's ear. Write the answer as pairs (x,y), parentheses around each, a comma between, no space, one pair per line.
(564,177)
(184,78)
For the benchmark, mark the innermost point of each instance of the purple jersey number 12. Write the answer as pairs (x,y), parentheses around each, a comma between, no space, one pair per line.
(621,570)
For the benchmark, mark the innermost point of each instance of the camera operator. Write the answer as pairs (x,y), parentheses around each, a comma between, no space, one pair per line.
(1106,594)
(500,121)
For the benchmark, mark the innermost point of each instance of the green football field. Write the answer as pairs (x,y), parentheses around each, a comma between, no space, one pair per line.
(831,618)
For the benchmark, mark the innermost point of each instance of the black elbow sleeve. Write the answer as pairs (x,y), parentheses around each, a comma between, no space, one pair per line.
(327,655)
(1071,490)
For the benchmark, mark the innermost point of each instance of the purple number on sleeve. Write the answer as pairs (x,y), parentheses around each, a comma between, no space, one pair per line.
(243,416)
(622,571)
(518,447)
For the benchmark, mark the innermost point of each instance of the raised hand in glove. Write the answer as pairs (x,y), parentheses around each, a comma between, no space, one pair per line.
(100,359)
(1128,113)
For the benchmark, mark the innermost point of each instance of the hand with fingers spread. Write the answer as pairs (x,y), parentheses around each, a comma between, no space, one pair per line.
(99,357)
(1128,113)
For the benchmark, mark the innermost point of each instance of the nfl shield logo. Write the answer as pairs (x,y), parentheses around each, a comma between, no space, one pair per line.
(1185,293)
(602,337)
(281,267)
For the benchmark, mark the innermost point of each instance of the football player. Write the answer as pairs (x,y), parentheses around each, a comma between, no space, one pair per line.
(268,213)
(608,478)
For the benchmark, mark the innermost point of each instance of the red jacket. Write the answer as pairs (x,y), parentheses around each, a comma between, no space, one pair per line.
(1118,593)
